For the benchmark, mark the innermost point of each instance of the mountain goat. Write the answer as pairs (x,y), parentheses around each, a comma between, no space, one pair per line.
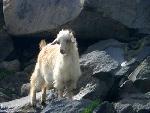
(57,66)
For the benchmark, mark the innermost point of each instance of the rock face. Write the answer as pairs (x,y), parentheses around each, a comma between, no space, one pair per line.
(28,17)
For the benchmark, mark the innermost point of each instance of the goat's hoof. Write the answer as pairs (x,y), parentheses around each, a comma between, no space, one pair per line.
(43,103)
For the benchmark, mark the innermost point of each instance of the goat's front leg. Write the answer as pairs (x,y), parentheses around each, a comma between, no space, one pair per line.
(70,86)
(59,85)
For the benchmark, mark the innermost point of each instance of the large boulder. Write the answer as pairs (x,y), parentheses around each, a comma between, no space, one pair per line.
(133,14)
(26,16)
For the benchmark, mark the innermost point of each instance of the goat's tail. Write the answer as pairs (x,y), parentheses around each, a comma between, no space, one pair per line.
(42,44)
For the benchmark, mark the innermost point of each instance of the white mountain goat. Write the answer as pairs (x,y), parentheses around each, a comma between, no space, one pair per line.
(57,66)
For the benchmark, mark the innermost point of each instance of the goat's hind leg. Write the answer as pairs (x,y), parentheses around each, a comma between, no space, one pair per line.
(33,91)
(43,96)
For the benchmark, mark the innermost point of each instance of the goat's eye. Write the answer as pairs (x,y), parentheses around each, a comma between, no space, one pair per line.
(57,42)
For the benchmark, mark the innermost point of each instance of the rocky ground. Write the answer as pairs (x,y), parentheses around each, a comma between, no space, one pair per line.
(114,48)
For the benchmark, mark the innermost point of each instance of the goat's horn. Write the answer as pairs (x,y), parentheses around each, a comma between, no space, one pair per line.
(54,42)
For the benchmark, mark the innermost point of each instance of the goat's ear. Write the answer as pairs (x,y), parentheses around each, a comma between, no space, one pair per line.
(42,44)
(73,40)
(54,42)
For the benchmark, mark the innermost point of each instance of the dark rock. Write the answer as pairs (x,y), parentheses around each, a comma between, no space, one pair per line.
(6,45)
(127,88)
(4,97)
(105,107)
(13,65)
(29,69)
(142,85)
(25,89)
(12,89)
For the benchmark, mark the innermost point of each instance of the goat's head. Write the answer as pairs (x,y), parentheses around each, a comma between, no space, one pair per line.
(65,39)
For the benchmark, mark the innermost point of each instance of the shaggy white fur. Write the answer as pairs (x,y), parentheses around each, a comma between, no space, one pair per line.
(57,66)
